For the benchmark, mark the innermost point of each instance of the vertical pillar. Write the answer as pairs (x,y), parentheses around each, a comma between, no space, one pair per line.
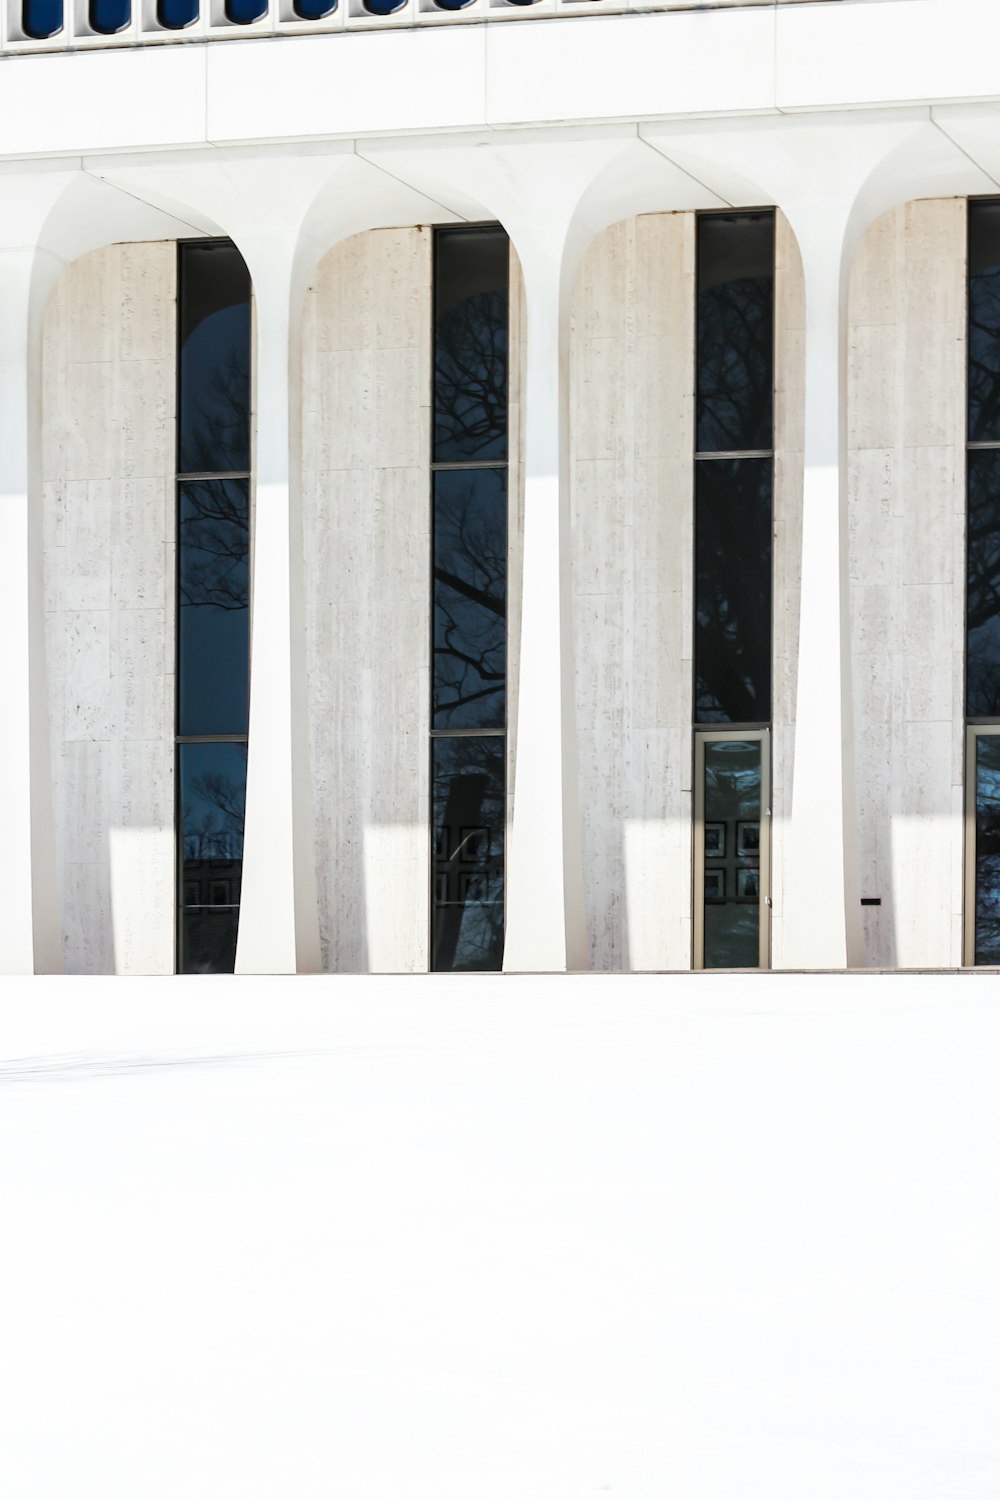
(278,931)
(822,919)
(29,909)
(546,927)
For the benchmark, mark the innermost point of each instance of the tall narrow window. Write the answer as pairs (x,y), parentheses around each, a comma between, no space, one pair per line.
(982,596)
(469,605)
(734,469)
(213,580)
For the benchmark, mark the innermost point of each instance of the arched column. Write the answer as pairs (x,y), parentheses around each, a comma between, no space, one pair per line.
(546,921)
(29,906)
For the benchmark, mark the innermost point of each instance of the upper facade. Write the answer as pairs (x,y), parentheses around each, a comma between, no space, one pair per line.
(601,140)
(558,62)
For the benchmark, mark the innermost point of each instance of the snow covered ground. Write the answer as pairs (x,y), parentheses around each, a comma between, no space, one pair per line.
(660,1238)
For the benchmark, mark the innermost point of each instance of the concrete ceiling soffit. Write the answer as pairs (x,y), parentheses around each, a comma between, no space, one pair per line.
(717,177)
(824,163)
(92,213)
(641,180)
(304,203)
(928,164)
(975,131)
(529,185)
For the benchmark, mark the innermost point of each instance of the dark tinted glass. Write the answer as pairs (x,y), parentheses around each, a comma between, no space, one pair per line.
(470,598)
(982,606)
(383,7)
(452,4)
(468,833)
(176,14)
(109,16)
(735,356)
(212,606)
(41,18)
(242,12)
(214,360)
(984,322)
(470,345)
(732,854)
(988,849)
(732,643)
(314,10)
(212,797)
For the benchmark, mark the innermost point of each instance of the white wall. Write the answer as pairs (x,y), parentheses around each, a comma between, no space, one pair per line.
(366,510)
(906,407)
(108,460)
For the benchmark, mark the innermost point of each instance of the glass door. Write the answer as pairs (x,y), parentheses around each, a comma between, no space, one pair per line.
(982,846)
(732,849)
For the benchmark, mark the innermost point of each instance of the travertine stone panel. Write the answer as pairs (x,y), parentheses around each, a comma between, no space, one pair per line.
(632,395)
(789,379)
(108,459)
(366,499)
(906,413)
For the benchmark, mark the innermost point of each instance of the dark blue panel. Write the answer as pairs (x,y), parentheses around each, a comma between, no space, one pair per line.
(211,804)
(468,833)
(383,7)
(982,667)
(212,606)
(244,12)
(471,276)
(314,10)
(470,599)
(984,322)
(732,854)
(732,645)
(176,14)
(214,360)
(452,4)
(109,16)
(41,18)
(735,343)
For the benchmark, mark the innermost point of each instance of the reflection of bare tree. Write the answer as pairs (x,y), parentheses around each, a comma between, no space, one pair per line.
(470,598)
(468,864)
(733,592)
(983,584)
(470,378)
(988,851)
(215,543)
(735,365)
(216,433)
(215,830)
(215,513)
(984,356)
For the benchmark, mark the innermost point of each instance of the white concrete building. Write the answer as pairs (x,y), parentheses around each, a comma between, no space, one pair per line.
(553,779)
